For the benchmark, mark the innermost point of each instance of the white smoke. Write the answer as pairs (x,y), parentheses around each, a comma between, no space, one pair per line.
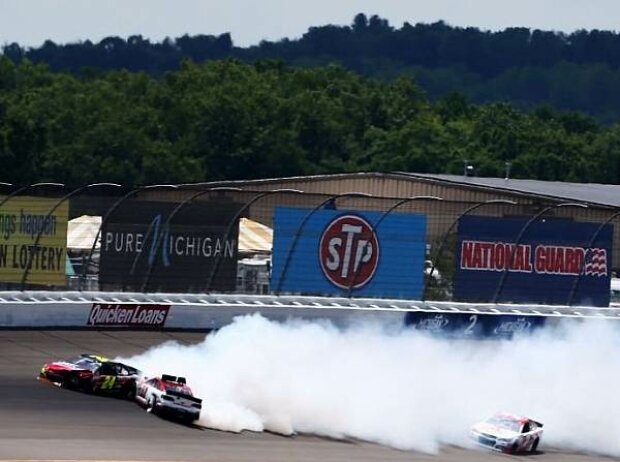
(400,388)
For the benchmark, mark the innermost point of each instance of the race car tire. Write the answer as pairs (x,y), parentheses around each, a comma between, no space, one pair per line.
(70,381)
(89,387)
(187,420)
(514,448)
(131,394)
(151,405)
(535,446)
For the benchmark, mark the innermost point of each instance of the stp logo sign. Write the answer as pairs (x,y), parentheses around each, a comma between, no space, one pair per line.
(349,252)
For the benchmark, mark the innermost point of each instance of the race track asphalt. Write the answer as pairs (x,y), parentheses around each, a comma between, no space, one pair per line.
(41,422)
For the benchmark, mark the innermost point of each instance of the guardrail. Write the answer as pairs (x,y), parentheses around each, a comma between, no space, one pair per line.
(122,310)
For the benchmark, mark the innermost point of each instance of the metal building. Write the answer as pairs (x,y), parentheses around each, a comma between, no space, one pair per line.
(457,191)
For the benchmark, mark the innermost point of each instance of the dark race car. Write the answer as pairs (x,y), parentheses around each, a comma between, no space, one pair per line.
(93,374)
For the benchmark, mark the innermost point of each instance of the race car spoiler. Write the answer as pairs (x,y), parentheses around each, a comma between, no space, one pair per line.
(184,396)
(173,378)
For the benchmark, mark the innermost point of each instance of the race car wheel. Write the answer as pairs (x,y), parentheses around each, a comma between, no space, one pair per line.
(151,405)
(70,381)
(535,446)
(514,448)
(187,420)
(131,394)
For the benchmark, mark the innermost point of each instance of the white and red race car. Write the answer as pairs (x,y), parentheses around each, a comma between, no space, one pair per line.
(169,395)
(508,433)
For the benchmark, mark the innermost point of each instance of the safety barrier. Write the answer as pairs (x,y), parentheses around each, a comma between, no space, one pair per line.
(121,310)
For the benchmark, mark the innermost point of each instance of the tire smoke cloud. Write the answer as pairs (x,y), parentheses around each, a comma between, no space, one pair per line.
(397,386)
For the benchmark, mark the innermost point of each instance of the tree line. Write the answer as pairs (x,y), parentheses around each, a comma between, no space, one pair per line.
(232,120)
(577,71)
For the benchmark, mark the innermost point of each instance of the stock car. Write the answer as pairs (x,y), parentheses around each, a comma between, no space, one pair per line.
(94,374)
(508,433)
(169,395)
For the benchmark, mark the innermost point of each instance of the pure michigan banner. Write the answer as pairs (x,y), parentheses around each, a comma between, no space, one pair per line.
(22,219)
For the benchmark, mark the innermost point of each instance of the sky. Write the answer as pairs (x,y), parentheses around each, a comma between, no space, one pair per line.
(31,22)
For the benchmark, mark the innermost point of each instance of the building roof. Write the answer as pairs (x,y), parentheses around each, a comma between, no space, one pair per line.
(591,193)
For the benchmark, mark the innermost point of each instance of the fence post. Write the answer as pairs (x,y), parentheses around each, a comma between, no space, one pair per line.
(49,214)
(104,220)
(24,188)
(291,248)
(231,223)
(439,250)
(500,285)
(577,279)
(375,227)
(174,212)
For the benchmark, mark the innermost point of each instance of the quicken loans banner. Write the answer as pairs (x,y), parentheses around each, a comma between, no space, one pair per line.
(22,219)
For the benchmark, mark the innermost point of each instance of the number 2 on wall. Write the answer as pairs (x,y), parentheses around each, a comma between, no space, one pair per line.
(473,319)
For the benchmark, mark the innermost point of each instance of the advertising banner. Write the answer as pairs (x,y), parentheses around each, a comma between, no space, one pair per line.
(128,315)
(22,219)
(474,325)
(543,268)
(337,252)
(141,248)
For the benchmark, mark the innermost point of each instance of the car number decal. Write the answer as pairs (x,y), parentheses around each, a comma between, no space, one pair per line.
(108,382)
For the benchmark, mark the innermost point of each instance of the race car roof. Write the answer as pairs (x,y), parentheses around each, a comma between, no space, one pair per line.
(101,359)
(510,416)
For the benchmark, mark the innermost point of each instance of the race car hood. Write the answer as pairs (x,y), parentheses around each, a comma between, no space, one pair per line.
(65,366)
(499,432)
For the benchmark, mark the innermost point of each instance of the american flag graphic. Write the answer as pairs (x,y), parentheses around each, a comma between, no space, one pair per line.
(596,262)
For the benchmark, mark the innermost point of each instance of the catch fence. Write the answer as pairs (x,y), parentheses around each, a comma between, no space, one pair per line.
(184,239)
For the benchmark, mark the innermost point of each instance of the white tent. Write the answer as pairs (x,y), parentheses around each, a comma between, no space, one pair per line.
(253,236)
(81,232)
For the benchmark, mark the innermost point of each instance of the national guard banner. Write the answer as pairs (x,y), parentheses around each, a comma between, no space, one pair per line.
(553,259)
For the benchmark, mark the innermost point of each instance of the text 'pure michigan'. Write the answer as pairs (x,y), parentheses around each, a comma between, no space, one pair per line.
(160,236)
(527,258)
